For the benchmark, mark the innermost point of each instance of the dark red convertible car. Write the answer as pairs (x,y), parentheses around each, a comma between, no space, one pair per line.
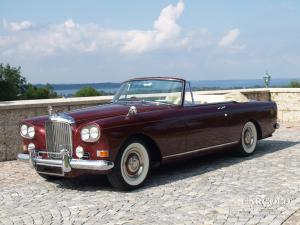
(150,121)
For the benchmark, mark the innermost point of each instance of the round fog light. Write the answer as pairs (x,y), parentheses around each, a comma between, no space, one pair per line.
(31,146)
(79,152)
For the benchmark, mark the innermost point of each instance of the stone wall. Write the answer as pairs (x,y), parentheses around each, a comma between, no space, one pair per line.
(13,112)
(288,103)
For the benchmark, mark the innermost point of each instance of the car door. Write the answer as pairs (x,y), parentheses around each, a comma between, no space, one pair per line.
(206,125)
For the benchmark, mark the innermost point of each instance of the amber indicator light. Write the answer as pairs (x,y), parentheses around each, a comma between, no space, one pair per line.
(103,153)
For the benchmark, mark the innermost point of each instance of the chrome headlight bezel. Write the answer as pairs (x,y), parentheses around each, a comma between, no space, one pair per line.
(90,133)
(27,131)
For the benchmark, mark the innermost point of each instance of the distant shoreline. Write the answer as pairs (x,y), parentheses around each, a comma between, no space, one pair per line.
(111,87)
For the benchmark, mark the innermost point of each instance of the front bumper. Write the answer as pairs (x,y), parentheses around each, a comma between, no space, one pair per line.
(64,165)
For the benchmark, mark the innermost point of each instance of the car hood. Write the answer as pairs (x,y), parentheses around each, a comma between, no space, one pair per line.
(102,111)
(110,110)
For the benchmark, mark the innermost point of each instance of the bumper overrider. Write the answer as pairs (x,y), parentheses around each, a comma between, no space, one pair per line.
(64,165)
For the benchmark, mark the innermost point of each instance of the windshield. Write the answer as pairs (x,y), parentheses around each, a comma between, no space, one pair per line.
(152,90)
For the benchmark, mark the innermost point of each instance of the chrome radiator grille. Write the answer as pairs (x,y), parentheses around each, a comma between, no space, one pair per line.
(58,137)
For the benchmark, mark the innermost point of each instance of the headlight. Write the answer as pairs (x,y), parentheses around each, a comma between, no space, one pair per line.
(94,132)
(30,132)
(85,134)
(27,131)
(90,133)
(24,130)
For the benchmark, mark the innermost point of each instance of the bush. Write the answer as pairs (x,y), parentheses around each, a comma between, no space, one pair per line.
(294,84)
(87,91)
(33,92)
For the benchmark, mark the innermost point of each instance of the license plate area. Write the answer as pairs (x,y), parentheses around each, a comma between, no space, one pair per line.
(50,170)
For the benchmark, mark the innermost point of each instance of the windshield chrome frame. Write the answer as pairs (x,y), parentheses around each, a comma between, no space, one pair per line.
(188,83)
(158,78)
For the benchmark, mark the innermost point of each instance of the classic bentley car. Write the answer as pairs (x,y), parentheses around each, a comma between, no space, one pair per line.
(150,121)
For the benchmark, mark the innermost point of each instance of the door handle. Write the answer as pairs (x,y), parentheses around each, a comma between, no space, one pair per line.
(222,107)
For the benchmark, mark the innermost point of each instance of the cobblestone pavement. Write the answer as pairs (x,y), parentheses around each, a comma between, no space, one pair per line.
(216,189)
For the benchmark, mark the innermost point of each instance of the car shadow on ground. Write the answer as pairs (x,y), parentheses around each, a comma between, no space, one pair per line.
(178,171)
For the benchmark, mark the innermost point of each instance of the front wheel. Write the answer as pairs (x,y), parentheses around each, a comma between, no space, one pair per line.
(248,140)
(132,166)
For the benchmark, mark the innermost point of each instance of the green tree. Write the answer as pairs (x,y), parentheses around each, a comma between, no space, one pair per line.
(294,84)
(87,91)
(11,82)
(13,86)
(33,92)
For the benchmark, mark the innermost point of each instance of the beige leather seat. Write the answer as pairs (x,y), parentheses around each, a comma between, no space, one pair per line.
(215,98)
(174,99)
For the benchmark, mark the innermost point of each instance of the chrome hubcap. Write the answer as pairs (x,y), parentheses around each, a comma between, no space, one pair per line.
(248,137)
(132,164)
(135,164)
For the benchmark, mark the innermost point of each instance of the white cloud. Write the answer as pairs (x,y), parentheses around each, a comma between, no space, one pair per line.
(70,36)
(6,40)
(17,26)
(69,24)
(165,28)
(66,37)
(230,38)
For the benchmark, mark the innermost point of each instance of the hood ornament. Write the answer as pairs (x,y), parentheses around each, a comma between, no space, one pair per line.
(59,116)
(50,110)
(132,111)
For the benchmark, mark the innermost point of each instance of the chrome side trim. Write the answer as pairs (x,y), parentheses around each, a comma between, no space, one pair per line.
(200,150)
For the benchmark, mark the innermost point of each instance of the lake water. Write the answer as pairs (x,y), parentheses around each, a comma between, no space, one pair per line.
(70,89)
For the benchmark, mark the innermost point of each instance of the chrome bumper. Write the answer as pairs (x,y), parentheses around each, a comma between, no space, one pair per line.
(66,164)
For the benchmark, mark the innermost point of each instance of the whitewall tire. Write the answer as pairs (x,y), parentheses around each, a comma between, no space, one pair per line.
(131,167)
(248,140)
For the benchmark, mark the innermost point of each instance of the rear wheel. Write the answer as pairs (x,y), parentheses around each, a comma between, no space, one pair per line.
(248,140)
(132,166)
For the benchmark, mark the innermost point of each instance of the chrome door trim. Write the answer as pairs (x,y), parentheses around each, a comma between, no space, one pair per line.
(200,149)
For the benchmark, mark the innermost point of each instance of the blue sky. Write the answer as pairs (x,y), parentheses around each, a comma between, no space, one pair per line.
(97,41)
